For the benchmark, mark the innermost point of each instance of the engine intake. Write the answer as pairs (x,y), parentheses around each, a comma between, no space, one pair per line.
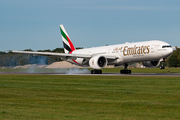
(151,64)
(98,62)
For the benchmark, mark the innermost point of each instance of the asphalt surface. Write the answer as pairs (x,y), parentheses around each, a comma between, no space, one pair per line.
(133,74)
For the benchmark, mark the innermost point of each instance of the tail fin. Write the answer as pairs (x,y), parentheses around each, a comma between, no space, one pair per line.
(68,46)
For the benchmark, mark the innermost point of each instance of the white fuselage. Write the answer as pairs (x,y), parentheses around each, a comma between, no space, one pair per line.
(128,52)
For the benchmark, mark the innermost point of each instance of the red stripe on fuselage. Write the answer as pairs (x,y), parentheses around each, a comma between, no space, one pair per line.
(75,61)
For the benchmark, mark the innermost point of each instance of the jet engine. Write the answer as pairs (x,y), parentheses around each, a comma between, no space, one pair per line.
(151,64)
(98,62)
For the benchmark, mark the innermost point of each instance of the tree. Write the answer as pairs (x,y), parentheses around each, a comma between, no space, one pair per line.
(174,59)
(13,59)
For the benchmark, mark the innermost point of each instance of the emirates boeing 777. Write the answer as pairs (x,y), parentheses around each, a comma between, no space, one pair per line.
(150,53)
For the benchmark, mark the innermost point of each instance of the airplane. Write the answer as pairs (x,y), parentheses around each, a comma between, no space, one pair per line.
(151,53)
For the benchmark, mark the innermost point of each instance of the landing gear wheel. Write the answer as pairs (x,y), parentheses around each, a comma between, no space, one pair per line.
(125,71)
(96,71)
(162,67)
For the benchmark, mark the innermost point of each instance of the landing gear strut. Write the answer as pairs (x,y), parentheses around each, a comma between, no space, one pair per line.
(162,66)
(96,71)
(125,71)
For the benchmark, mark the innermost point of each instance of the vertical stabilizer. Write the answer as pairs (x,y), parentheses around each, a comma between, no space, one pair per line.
(68,46)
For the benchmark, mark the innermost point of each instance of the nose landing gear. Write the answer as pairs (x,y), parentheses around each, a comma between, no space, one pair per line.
(162,66)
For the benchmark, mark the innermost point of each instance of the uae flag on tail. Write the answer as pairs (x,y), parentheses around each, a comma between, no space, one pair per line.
(68,46)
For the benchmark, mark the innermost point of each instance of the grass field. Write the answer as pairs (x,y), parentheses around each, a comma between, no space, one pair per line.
(89,97)
(144,70)
(105,70)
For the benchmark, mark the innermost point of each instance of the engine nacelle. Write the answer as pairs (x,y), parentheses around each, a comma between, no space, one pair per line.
(98,62)
(151,64)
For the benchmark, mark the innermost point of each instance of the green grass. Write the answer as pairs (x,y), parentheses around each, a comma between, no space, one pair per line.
(144,70)
(104,70)
(89,97)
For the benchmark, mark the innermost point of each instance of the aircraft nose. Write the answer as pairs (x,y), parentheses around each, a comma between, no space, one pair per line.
(169,52)
(174,48)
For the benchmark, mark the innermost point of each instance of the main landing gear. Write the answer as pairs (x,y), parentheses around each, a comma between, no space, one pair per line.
(96,71)
(125,71)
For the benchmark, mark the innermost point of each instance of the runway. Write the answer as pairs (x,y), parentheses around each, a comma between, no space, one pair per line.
(133,74)
(103,74)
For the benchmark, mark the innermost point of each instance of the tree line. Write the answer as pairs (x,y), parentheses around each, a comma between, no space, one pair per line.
(13,59)
(174,59)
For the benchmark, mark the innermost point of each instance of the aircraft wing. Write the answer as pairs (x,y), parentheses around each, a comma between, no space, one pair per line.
(62,55)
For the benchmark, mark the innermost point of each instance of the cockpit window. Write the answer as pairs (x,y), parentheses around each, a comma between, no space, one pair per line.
(166,46)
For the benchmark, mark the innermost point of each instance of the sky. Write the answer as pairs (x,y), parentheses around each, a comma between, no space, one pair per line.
(34,24)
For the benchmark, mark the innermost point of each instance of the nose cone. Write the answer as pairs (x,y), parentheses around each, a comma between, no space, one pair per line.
(174,48)
(168,52)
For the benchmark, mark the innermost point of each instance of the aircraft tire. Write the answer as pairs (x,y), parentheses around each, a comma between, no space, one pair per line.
(125,71)
(162,67)
(96,71)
